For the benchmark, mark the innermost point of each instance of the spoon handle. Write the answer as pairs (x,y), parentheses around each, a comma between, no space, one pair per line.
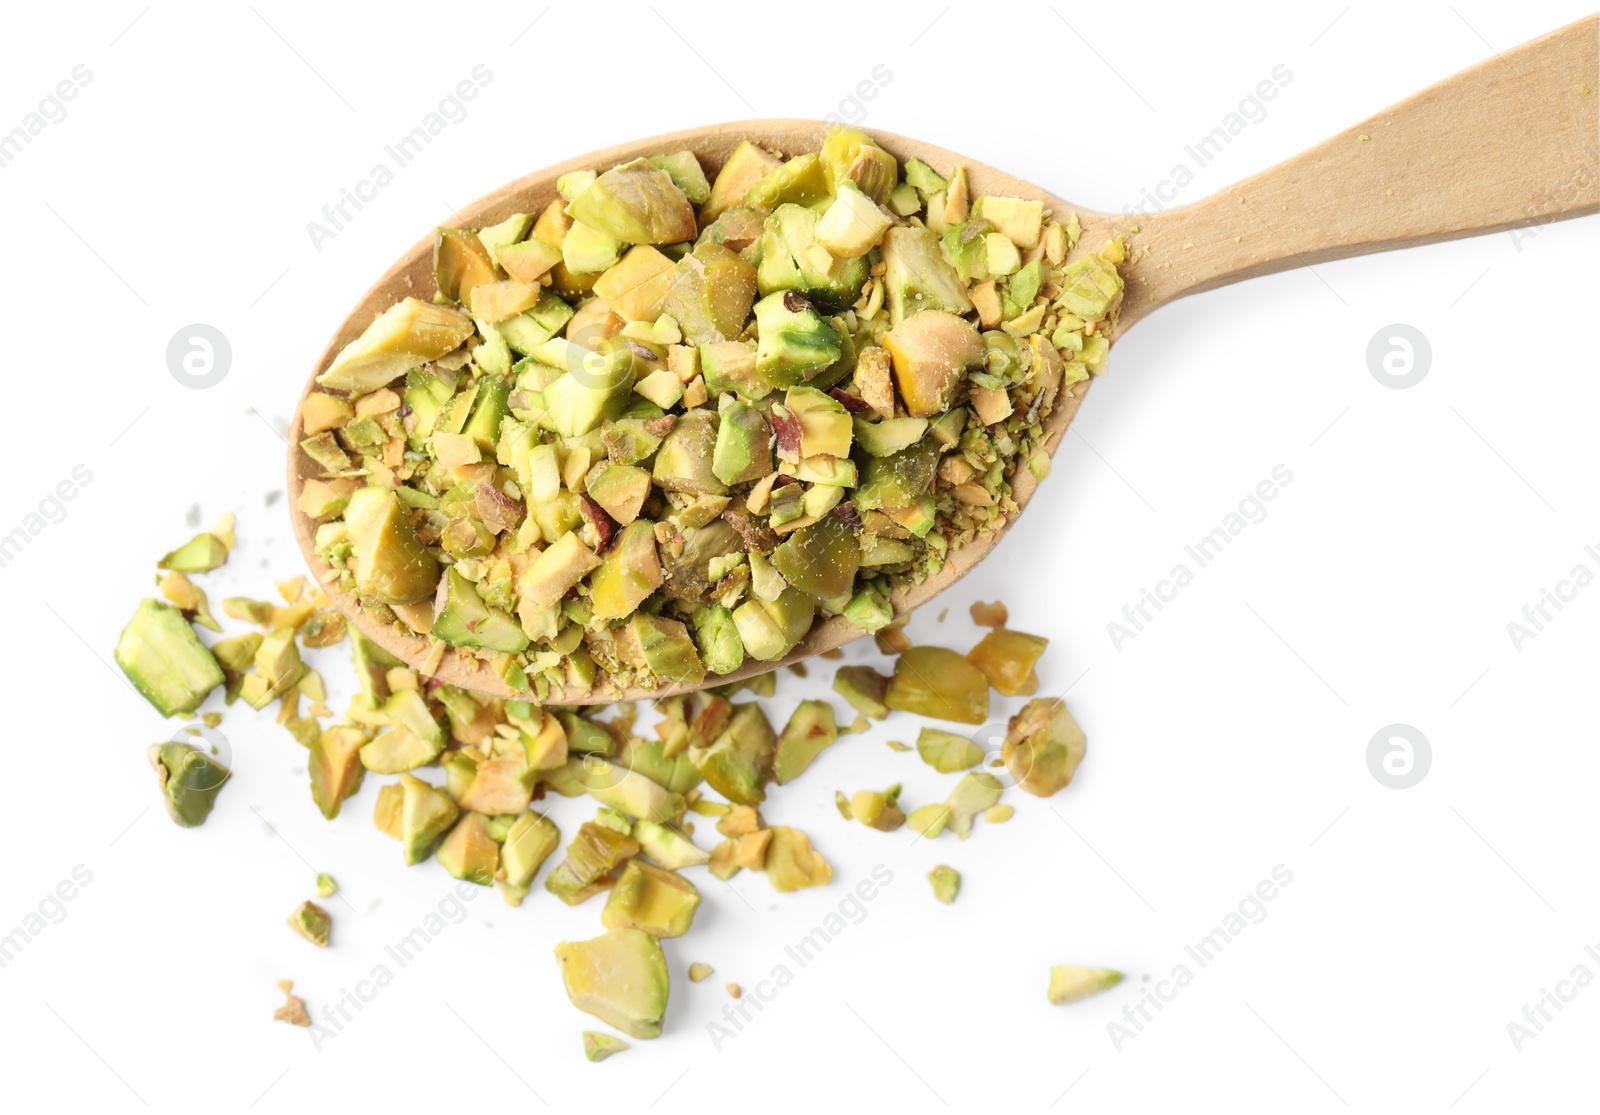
(1509,143)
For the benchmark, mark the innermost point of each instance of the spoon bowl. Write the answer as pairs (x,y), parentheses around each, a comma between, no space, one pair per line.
(1508,143)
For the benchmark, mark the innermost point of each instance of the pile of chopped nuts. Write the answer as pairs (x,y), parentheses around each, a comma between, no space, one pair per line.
(661,426)
(493,761)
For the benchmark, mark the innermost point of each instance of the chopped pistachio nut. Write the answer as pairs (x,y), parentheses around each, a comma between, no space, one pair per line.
(734,991)
(939,683)
(876,809)
(597,1047)
(311,922)
(619,977)
(699,971)
(929,820)
(1069,984)
(1006,658)
(947,752)
(946,882)
(975,793)
(325,885)
(661,427)
(810,730)
(792,863)
(165,660)
(189,779)
(1043,747)
(658,901)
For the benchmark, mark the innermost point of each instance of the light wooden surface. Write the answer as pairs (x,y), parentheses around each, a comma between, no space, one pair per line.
(1509,143)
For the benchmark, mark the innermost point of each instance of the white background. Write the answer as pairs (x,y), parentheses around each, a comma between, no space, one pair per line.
(1228,738)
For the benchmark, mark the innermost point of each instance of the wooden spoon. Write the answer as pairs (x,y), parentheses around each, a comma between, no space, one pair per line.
(1508,143)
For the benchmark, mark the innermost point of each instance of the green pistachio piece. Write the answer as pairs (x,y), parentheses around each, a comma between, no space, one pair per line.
(947,752)
(201,554)
(189,779)
(669,846)
(746,167)
(864,688)
(165,660)
(311,922)
(1007,658)
(653,899)
(877,810)
(975,793)
(717,636)
(918,277)
(946,882)
(469,852)
(528,844)
(929,820)
(810,729)
(738,762)
(596,852)
(597,1047)
(619,977)
(792,863)
(422,813)
(1043,747)
(936,682)
(405,336)
(1068,984)
(638,203)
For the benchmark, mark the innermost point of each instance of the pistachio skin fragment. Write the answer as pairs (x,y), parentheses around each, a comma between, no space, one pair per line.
(1043,747)
(946,882)
(311,922)
(619,977)
(190,781)
(1068,984)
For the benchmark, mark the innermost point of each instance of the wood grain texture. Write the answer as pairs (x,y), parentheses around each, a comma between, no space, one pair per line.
(1508,143)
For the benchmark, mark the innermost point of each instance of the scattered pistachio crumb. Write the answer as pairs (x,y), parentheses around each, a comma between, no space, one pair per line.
(699,971)
(311,922)
(1363,138)
(1068,984)
(896,745)
(211,719)
(293,1010)
(997,814)
(946,882)
(597,1046)
(325,885)
(736,991)
(989,615)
